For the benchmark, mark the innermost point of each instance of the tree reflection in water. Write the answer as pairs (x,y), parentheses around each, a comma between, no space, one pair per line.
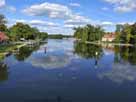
(89,51)
(3,72)
(124,53)
(25,52)
(124,65)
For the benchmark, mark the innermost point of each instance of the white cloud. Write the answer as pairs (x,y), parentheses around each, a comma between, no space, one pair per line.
(51,10)
(2,3)
(70,26)
(4,6)
(107,23)
(38,23)
(20,20)
(82,21)
(43,23)
(57,30)
(123,5)
(62,12)
(77,20)
(122,23)
(105,9)
(75,4)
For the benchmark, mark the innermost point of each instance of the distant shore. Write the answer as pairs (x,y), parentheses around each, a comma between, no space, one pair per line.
(106,43)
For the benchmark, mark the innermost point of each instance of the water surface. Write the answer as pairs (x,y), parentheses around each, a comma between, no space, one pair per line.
(68,71)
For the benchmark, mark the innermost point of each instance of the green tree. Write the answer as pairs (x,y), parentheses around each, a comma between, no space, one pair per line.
(126,33)
(2,19)
(20,30)
(89,33)
(133,34)
(3,28)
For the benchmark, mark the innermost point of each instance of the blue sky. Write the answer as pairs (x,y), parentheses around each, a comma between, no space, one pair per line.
(60,16)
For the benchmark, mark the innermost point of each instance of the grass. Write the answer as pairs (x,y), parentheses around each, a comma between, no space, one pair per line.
(8,48)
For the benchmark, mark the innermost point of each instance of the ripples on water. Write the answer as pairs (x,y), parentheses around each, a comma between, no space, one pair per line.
(68,71)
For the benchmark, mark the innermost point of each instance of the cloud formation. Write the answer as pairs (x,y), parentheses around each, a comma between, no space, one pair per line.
(77,20)
(4,6)
(123,5)
(38,23)
(51,10)
(75,4)
(2,3)
(58,11)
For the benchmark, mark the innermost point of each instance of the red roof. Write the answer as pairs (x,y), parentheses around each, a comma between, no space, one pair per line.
(110,35)
(3,37)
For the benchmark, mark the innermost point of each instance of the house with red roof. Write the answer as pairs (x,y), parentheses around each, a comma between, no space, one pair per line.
(109,37)
(3,37)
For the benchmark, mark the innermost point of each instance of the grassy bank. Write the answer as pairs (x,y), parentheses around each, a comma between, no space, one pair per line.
(4,49)
(105,43)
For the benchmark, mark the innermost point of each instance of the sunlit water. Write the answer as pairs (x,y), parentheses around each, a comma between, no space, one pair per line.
(68,71)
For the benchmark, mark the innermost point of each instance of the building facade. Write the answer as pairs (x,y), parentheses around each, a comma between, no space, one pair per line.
(3,37)
(109,37)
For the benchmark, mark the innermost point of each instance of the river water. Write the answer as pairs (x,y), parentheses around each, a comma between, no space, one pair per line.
(69,71)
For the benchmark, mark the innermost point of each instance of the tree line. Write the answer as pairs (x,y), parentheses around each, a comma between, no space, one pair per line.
(126,33)
(20,30)
(59,36)
(89,33)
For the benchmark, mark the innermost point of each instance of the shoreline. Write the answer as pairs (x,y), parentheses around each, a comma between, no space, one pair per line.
(105,43)
(17,45)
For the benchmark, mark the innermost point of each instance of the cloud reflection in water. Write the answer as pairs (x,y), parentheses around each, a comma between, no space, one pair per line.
(58,55)
(120,73)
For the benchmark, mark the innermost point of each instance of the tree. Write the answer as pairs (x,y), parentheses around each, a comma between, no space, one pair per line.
(43,35)
(3,28)
(20,30)
(2,19)
(133,34)
(89,33)
(126,33)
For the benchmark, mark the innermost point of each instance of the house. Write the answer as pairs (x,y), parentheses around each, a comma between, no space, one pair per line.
(3,37)
(109,37)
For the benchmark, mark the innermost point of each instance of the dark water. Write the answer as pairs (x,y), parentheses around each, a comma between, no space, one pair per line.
(64,71)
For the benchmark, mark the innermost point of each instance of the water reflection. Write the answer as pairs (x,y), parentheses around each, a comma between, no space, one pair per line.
(3,72)
(120,73)
(50,61)
(71,72)
(60,53)
(56,54)
(88,50)
(25,52)
(124,65)
(126,54)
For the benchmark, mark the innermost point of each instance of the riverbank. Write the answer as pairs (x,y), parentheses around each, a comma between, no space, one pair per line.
(105,43)
(14,46)
(7,49)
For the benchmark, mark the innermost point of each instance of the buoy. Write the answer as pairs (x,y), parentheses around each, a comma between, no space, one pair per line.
(96,53)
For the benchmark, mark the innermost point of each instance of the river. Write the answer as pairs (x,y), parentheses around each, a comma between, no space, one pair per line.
(69,71)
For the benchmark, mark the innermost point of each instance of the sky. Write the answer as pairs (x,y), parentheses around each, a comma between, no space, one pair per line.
(60,16)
